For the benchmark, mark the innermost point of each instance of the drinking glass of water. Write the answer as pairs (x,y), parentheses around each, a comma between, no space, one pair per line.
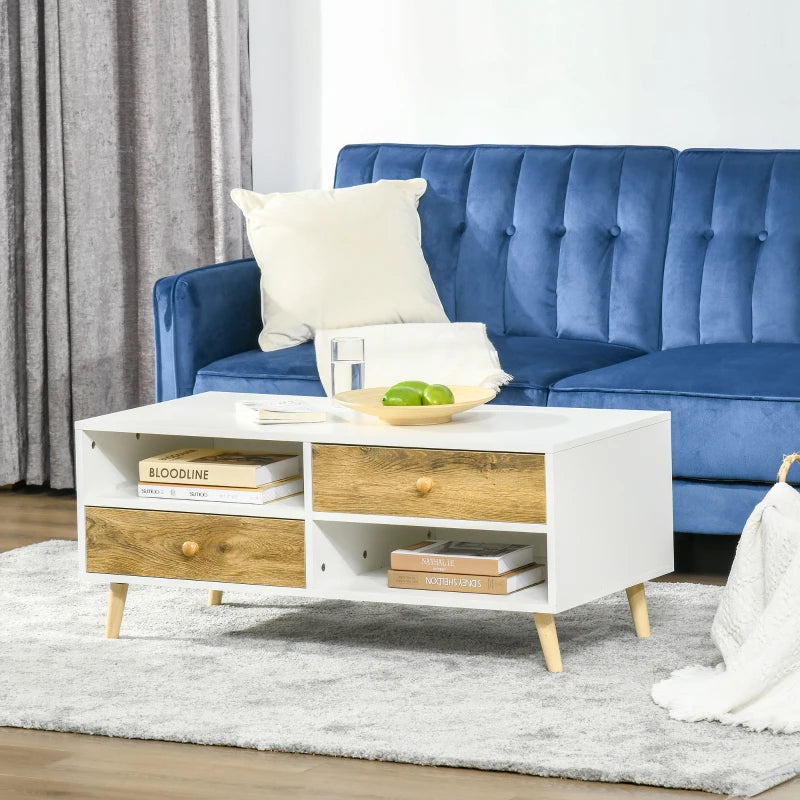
(347,364)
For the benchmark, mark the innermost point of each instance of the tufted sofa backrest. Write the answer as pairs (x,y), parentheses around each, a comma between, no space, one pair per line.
(732,269)
(539,241)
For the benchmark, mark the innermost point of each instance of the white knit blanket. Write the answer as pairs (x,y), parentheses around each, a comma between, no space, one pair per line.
(756,628)
(457,353)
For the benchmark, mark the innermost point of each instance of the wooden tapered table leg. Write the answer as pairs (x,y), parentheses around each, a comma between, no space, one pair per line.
(638,604)
(546,628)
(215,597)
(116,605)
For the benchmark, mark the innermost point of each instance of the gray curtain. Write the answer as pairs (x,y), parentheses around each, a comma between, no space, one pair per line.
(123,126)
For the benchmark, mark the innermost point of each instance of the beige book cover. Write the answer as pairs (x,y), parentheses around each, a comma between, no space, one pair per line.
(480,584)
(466,558)
(204,467)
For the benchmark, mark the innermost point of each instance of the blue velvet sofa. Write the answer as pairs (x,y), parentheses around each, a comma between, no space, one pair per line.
(608,277)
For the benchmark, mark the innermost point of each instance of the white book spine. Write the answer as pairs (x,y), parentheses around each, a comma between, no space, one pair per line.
(279,470)
(528,578)
(516,559)
(218,495)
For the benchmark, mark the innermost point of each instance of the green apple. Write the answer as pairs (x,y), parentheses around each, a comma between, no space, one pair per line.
(420,386)
(437,395)
(402,396)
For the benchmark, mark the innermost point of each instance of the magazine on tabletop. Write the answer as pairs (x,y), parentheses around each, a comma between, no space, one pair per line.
(202,467)
(467,558)
(224,494)
(480,584)
(281,409)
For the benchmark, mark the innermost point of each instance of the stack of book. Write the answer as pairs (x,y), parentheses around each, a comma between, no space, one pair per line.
(480,567)
(224,476)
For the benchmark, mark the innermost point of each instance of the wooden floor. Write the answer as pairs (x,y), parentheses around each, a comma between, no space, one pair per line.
(42,764)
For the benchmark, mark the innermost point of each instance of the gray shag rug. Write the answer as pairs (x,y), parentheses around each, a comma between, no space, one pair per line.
(395,683)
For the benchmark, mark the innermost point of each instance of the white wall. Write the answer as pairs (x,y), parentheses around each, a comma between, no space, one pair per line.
(285,64)
(685,73)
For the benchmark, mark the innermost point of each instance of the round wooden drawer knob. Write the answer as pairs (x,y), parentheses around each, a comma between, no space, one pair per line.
(190,548)
(424,485)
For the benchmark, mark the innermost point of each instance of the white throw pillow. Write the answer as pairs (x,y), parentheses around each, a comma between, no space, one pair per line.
(339,258)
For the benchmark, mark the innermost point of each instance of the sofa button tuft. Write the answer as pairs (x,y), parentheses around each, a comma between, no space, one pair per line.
(461,227)
(511,230)
(762,237)
(708,235)
(614,230)
(560,230)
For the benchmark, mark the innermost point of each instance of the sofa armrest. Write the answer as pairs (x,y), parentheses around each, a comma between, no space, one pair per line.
(201,316)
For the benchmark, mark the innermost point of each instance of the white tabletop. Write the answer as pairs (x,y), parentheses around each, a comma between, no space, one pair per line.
(530,429)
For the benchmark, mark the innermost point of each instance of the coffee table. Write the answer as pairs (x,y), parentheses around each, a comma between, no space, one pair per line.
(590,489)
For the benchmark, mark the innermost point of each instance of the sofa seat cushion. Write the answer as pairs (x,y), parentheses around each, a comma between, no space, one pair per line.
(714,506)
(536,362)
(713,437)
(289,371)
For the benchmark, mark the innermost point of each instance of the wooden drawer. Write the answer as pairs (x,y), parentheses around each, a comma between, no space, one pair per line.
(253,550)
(455,484)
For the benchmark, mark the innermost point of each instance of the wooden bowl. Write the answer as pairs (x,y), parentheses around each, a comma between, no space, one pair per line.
(368,401)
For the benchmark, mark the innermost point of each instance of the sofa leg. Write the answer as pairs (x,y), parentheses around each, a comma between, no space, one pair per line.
(638,604)
(214,597)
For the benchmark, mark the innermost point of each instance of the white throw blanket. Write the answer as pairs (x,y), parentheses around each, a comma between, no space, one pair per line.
(756,628)
(457,353)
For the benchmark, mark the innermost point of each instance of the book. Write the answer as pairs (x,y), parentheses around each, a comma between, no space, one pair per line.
(283,409)
(202,467)
(224,494)
(510,582)
(467,558)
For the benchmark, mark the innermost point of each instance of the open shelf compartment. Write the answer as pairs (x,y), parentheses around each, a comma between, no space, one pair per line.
(349,560)
(110,465)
